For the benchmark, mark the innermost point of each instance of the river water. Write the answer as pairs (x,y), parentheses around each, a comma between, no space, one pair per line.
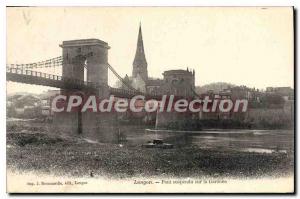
(259,141)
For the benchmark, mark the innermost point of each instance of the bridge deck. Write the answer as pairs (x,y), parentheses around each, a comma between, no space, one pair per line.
(56,81)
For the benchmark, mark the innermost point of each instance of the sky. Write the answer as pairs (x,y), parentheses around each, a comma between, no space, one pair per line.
(244,46)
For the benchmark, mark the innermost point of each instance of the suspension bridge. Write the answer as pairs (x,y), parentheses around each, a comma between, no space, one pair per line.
(26,73)
(77,56)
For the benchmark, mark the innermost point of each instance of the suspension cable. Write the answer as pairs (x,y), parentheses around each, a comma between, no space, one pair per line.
(56,61)
(121,79)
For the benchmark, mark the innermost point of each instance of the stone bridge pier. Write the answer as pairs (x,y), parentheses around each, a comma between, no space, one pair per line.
(85,60)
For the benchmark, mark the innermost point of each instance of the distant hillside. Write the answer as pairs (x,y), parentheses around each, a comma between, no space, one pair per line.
(216,87)
(21,100)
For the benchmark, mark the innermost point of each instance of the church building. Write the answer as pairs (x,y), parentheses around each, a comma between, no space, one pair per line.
(176,82)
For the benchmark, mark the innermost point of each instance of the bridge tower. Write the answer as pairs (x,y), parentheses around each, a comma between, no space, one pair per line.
(91,54)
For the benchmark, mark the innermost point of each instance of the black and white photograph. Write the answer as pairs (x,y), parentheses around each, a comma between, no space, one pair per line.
(150,99)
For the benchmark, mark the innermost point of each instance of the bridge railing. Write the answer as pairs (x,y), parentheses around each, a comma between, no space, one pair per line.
(73,82)
(124,91)
(67,80)
(33,73)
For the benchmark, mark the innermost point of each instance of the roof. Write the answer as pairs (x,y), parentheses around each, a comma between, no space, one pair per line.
(140,58)
(180,71)
(84,42)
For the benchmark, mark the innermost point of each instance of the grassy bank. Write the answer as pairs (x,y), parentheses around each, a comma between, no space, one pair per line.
(38,150)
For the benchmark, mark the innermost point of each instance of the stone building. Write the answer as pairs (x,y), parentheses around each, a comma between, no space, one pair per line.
(178,82)
(140,64)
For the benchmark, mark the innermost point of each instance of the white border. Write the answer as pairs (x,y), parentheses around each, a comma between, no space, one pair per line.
(108,3)
(152,3)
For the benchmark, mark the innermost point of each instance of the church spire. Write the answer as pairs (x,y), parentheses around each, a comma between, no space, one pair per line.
(140,63)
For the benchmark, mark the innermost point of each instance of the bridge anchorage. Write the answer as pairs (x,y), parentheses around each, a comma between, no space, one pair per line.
(88,56)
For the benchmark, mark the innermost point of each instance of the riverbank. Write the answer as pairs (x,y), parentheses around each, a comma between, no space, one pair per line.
(37,149)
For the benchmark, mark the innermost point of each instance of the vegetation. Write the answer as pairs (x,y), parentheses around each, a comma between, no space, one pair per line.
(53,154)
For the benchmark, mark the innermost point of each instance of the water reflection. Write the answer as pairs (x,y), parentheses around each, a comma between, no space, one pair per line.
(257,141)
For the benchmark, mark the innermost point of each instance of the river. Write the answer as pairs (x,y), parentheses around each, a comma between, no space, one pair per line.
(259,141)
